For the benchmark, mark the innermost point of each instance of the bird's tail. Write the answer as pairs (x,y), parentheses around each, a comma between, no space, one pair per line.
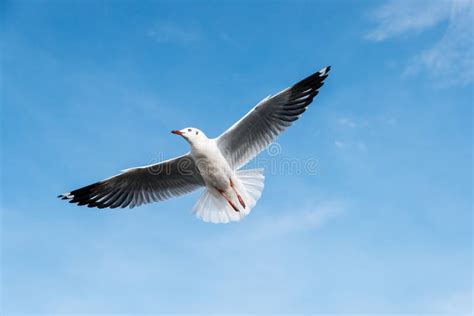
(212,207)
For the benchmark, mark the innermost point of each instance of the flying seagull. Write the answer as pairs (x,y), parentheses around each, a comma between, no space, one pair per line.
(214,163)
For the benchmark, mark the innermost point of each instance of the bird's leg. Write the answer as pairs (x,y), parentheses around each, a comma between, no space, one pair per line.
(241,200)
(228,200)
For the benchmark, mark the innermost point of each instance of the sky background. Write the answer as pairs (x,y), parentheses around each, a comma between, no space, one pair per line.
(384,225)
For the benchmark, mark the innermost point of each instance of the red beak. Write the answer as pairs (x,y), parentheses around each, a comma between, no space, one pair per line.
(177,132)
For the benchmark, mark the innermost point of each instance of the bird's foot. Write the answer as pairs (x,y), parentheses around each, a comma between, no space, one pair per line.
(241,200)
(229,201)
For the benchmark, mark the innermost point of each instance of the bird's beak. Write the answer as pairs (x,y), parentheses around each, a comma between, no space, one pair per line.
(177,132)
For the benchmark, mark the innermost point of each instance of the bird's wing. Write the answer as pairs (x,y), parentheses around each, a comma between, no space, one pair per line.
(258,128)
(137,186)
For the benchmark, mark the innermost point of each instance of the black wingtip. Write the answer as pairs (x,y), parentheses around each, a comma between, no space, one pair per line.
(65,196)
(324,71)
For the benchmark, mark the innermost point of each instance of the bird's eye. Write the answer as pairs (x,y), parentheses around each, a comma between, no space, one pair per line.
(189,129)
(197,132)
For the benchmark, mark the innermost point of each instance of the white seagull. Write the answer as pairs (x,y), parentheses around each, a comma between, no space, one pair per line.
(214,163)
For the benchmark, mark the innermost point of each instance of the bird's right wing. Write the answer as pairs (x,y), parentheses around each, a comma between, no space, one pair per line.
(141,185)
(251,134)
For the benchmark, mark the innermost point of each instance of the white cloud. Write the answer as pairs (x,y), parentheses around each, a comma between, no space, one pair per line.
(301,217)
(173,33)
(457,303)
(452,57)
(344,121)
(351,122)
(340,144)
(310,216)
(351,145)
(228,39)
(398,17)
(450,60)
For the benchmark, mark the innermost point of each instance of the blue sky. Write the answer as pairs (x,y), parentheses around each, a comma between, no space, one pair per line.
(384,225)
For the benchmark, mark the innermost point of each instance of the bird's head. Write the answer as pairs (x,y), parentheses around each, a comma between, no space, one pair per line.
(191,134)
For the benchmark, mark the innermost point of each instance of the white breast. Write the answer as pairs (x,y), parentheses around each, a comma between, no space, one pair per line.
(212,165)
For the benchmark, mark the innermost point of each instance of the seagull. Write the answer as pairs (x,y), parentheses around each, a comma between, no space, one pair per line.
(212,163)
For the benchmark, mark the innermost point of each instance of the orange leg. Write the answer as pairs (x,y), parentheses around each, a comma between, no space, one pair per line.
(229,201)
(241,200)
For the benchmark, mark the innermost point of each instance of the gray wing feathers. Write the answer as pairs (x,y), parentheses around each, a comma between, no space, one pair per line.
(271,116)
(137,186)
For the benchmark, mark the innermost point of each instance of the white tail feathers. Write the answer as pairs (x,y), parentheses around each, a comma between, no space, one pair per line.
(212,207)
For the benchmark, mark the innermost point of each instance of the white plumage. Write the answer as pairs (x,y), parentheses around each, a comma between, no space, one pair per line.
(230,193)
(214,209)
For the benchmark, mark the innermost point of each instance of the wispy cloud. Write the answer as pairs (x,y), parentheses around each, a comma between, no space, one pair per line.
(457,303)
(344,121)
(346,145)
(306,216)
(351,122)
(310,216)
(350,129)
(168,32)
(229,39)
(398,17)
(450,59)
(340,144)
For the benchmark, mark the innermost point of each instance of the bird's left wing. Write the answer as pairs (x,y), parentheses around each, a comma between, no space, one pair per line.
(137,186)
(271,116)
